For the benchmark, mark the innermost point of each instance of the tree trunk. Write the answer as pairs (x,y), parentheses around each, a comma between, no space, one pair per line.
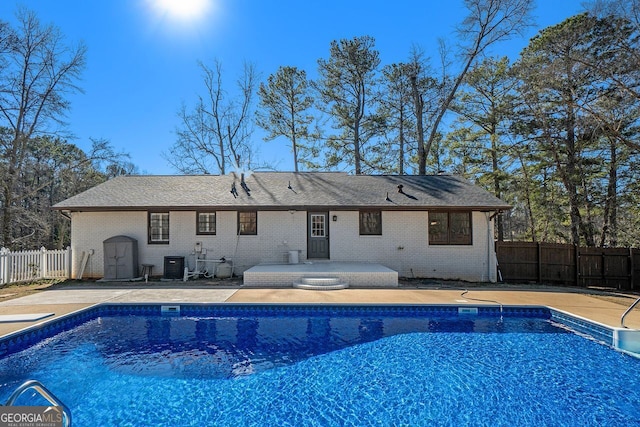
(294,143)
(570,175)
(527,193)
(14,160)
(6,215)
(610,217)
(401,143)
(496,178)
(418,106)
(357,155)
(356,150)
(294,146)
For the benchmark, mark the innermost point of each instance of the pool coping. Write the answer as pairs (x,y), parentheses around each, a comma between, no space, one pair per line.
(620,339)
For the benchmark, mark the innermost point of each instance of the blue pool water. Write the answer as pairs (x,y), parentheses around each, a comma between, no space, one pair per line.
(328,368)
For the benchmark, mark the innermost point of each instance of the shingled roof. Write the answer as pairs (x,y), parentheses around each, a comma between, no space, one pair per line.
(283,190)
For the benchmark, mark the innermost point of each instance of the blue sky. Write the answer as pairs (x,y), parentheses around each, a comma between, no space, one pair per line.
(142,58)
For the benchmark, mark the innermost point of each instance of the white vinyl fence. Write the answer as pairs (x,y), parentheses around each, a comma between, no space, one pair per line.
(25,266)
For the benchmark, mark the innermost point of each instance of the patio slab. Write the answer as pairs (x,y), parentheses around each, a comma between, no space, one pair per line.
(590,306)
(605,308)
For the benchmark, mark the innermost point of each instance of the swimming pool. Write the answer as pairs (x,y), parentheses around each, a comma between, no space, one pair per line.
(238,365)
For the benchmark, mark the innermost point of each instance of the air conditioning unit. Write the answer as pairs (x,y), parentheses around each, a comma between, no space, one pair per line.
(173,267)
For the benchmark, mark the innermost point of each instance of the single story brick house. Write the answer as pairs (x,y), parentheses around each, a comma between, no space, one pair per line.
(438,226)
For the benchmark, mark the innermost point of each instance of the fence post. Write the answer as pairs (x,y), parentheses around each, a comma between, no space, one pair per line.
(6,272)
(632,279)
(67,262)
(43,263)
(603,258)
(3,266)
(576,254)
(539,263)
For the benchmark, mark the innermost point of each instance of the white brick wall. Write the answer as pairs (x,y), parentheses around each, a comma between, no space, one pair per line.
(278,233)
(403,245)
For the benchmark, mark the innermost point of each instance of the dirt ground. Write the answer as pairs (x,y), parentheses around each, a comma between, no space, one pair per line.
(23,289)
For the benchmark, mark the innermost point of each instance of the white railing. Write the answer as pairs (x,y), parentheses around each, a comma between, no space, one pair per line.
(26,266)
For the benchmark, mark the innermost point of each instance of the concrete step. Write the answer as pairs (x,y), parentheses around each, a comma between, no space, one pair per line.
(320,283)
(356,274)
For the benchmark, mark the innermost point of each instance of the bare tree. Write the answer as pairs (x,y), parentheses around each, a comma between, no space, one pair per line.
(217,131)
(38,70)
(629,9)
(427,94)
(54,170)
(488,22)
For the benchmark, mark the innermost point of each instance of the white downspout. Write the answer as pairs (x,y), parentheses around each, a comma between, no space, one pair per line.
(489,248)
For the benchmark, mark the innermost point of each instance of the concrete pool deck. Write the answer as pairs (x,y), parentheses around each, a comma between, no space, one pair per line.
(599,306)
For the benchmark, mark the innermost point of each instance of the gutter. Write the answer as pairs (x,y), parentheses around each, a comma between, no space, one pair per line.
(285,207)
(66,214)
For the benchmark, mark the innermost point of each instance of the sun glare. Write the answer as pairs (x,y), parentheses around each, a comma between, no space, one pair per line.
(183,10)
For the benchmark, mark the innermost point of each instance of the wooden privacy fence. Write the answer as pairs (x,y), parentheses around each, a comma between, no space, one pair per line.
(569,265)
(25,266)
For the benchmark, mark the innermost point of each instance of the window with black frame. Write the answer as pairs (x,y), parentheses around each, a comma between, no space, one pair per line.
(450,228)
(370,223)
(158,227)
(206,223)
(248,223)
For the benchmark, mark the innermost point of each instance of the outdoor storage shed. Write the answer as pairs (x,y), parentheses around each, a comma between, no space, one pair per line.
(120,258)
